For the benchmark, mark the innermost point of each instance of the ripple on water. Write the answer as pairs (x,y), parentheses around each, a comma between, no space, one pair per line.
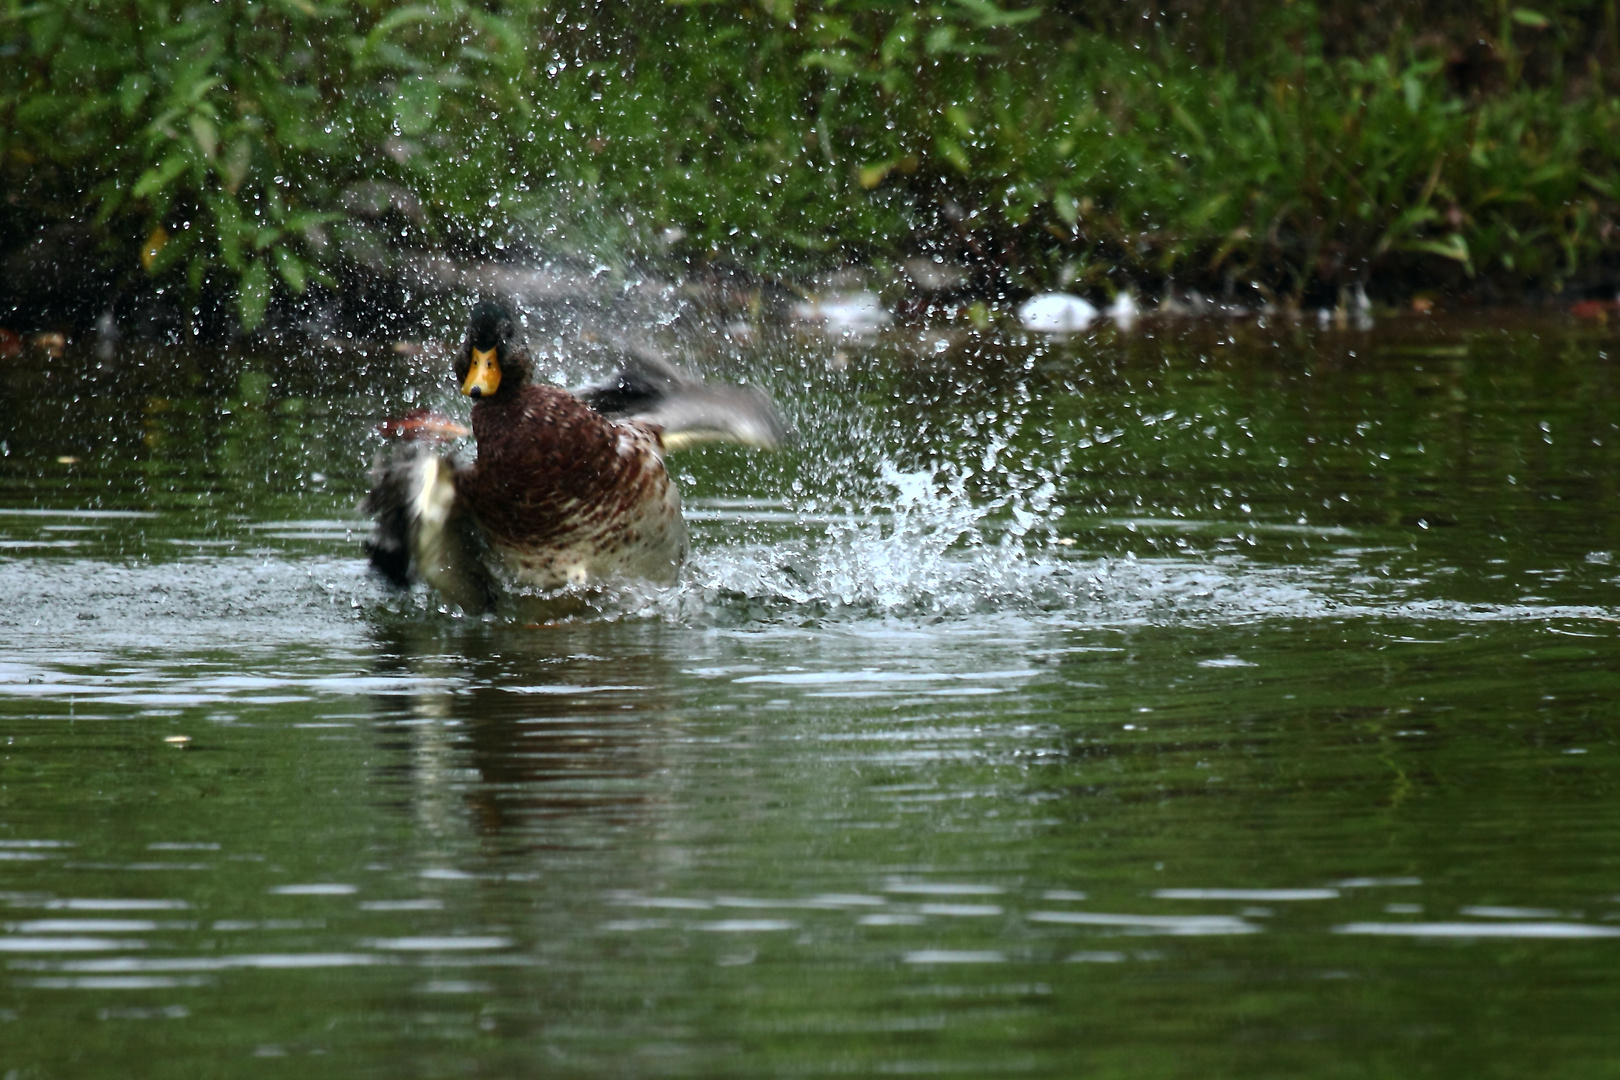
(925,550)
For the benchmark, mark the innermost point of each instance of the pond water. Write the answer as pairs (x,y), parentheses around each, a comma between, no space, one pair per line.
(1208,699)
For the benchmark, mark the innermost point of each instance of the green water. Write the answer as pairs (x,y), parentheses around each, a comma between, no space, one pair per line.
(1212,700)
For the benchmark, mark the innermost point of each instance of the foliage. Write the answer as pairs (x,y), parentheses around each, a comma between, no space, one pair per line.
(252,148)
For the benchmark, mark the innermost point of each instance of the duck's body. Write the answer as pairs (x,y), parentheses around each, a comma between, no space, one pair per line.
(564,495)
(566,489)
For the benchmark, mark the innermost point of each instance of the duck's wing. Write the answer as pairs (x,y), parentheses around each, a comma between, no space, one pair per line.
(421,531)
(651,390)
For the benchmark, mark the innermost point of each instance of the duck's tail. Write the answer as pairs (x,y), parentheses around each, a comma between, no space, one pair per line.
(420,532)
(651,390)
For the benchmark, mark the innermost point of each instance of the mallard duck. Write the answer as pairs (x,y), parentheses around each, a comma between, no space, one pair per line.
(567,488)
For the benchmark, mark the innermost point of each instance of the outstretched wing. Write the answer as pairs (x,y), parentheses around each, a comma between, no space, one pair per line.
(421,533)
(651,390)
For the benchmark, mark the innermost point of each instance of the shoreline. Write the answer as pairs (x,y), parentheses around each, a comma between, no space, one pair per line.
(854,303)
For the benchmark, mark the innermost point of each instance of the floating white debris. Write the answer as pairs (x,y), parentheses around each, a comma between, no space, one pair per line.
(1056,313)
(935,274)
(853,313)
(1124,310)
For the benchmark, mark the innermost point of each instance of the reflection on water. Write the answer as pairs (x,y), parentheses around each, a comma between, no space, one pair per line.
(1224,700)
(551,720)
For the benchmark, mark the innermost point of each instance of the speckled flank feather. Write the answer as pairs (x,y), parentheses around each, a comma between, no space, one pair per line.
(564,495)
(421,532)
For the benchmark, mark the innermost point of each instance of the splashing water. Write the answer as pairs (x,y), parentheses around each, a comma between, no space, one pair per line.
(933,551)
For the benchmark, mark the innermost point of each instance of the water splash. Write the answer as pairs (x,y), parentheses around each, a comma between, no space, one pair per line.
(928,548)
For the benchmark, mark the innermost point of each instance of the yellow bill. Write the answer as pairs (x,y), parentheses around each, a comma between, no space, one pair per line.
(484,376)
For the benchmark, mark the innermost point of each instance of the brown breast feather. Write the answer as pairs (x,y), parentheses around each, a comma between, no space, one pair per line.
(550,467)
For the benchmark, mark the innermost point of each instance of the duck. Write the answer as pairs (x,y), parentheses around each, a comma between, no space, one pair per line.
(568,488)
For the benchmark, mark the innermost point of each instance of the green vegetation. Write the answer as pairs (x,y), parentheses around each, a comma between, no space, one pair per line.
(249,149)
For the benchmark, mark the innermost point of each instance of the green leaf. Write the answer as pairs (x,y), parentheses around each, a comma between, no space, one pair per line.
(952,151)
(988,14)
(160,176)
(292,270)
(405,16)
(228,229)
(132,92)
(178,246)
(1453,247)
(1533,19)
(200,87)
(1413,85)
(253,296)
(1066,207)
(306,220)
(413,13)
(47,27)
(206,136)
(238,159)
(1184,118)
(897,45)
(416,104)
(870,176)
(837,61)
(1599,185)
(1207,210)
(1552,171)
(512,50)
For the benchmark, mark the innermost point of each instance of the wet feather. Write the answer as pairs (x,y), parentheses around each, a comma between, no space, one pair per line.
(567,488)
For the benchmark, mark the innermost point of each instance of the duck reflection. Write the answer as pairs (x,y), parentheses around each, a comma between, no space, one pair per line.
(541,736)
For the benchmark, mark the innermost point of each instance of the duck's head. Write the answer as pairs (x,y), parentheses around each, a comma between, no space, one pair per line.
(492,362)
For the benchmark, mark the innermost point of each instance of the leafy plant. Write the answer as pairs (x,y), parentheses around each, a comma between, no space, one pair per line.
(253,149)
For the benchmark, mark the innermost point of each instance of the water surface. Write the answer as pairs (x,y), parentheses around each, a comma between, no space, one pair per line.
(1204,700)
